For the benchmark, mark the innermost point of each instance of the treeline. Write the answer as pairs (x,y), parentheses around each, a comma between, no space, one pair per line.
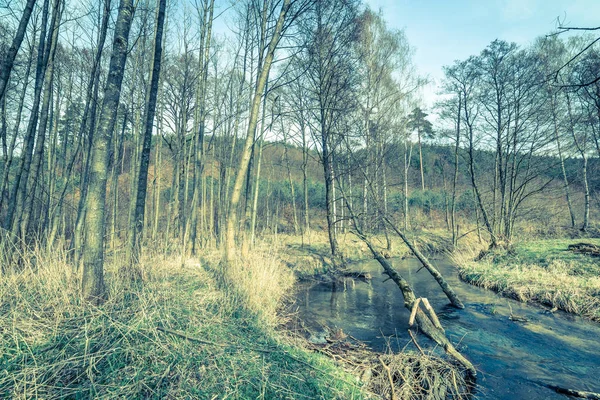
(149,124)
(532,107)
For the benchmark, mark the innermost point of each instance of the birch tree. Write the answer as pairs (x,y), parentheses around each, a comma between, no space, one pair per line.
(93,288)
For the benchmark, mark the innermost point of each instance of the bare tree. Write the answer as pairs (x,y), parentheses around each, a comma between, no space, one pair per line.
(258,92)
(93,288)
(140,199)
(9,58)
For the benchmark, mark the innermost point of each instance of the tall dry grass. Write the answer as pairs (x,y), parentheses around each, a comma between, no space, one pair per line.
(177,335)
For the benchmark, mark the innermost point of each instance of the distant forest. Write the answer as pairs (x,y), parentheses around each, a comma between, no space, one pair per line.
(127,125)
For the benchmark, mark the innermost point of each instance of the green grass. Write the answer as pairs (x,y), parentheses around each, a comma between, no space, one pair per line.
(542,271)
(54,346)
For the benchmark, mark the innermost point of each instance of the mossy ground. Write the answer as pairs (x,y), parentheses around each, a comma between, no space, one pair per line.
(542,271)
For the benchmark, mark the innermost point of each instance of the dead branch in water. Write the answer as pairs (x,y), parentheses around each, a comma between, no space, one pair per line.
(575,393)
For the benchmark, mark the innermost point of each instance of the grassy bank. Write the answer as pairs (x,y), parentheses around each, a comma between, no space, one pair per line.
(177,336)
(541,271)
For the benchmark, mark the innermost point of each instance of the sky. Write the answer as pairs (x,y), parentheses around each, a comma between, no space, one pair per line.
(443,31)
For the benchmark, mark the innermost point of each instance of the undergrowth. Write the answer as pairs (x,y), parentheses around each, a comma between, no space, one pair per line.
(176,336)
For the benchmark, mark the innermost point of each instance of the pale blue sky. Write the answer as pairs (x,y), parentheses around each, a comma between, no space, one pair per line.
(446,30)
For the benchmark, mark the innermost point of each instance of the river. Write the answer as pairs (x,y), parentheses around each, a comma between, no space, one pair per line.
(514,359)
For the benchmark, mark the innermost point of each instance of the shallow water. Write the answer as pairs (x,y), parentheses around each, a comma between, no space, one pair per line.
(514,359)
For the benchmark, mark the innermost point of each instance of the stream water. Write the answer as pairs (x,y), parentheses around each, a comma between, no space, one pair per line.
(514,359)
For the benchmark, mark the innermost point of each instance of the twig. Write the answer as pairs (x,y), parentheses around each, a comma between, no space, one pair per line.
(389,375)
(198,340)
(414,339)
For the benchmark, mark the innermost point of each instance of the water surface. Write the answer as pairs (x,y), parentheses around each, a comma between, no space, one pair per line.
(514,359)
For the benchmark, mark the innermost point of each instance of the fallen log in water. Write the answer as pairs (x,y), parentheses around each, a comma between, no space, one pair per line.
(425,324)
(454,300)
(575,393)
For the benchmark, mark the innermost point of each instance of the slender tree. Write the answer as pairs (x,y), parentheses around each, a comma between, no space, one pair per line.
(9,58)
(137,226)
(93,288)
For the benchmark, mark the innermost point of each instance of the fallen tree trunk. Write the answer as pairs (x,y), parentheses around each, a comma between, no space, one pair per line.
(454,300)
(423,321)
(585,248)
(575,393)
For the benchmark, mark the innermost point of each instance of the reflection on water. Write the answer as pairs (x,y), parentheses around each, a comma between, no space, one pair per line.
(515,359)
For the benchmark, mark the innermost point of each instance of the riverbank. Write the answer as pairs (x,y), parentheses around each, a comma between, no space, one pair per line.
(309,256)
(541,271)
(179,335)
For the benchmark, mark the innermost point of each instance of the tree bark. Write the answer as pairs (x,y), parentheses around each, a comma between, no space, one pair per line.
(137,224)
(93,288)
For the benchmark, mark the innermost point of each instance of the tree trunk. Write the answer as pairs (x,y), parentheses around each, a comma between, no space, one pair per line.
(586,187)
(486,220)
(92,283)
(562,166)
(11,54)
(421,160)
(407,157)
(205,44)
(88,122)
(306,230)
(455,177)
(252,122)
(27,211)
(19,190)
(8,160)
(137,224)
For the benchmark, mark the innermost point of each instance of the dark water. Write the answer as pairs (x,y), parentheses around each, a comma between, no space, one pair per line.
(514,359)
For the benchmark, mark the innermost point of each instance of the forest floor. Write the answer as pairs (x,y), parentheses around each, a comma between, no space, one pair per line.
(182,334)
(540,271)
(176,336)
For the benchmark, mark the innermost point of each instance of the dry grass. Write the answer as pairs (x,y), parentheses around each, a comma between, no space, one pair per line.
(542,272)
(260,281)
(417,376)
(53,345)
